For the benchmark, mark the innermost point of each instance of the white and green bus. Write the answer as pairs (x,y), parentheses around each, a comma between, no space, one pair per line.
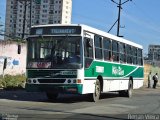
(82,60)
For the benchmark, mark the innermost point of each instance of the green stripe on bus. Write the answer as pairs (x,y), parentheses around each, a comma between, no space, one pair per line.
(114,70)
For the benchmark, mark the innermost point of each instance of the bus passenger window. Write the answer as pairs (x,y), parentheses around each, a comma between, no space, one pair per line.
(88,52)
(107,48)
(98,47)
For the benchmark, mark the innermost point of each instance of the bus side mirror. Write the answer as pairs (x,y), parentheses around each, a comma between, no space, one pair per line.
(19,49)
(5,63)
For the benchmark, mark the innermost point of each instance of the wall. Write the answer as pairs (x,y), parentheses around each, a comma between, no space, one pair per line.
(16,63)
(150,68)
(147,69)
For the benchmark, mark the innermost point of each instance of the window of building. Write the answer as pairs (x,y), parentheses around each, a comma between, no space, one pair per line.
(51,1)
(44,6)
(45,1)
(50,22)
(44,11)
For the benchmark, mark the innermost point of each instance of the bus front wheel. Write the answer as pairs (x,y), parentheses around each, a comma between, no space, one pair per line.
(96,95)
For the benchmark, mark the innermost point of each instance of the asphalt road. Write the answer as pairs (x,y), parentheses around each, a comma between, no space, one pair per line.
(21,105)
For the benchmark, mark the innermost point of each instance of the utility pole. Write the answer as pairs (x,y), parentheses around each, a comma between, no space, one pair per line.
(25,4)
(30,14)
(119,5)
(24,18)
(119,16)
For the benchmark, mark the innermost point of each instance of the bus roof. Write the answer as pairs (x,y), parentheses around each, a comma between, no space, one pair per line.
(96,31)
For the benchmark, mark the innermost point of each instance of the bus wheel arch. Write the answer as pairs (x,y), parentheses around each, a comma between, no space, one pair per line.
(100,78)
(131,80)
(128,92)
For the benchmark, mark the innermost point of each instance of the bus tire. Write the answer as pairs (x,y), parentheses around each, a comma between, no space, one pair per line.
(127,93)
(96,95)
(130,89)
(51,96)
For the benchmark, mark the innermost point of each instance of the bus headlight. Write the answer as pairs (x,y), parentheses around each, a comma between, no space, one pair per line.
(29,81)
(34,80)
(69,81)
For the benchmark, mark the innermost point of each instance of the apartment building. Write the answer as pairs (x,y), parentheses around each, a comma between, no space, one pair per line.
(154,52)
(22,14)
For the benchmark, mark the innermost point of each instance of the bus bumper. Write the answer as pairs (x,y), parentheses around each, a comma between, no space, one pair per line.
(67,88)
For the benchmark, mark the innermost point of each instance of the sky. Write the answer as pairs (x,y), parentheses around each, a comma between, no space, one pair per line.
(140,19)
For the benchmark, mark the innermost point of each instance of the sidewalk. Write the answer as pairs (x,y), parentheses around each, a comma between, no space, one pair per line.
(146,86)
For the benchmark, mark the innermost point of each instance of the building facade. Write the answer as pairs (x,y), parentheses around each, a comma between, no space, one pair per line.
(154,52)
(16,63)
(22,14)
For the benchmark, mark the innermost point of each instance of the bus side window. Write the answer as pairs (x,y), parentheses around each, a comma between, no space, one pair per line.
(107,48)
(98,47)
(88,51)
(115,51)
(129,54)
(140,57)
(122,54)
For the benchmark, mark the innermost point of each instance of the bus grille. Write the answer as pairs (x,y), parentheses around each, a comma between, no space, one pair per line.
(51,80)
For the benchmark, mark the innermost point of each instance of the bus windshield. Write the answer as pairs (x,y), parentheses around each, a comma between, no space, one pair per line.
(55,52)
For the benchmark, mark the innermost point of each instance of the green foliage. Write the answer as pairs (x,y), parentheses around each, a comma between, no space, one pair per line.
(12,82)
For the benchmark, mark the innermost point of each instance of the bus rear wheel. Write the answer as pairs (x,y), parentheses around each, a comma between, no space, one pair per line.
(51,96)
(130,89)
(127,93)
(96,95)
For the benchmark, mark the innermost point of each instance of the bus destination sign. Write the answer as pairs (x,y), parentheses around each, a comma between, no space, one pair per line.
(56,30)
(63,31)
